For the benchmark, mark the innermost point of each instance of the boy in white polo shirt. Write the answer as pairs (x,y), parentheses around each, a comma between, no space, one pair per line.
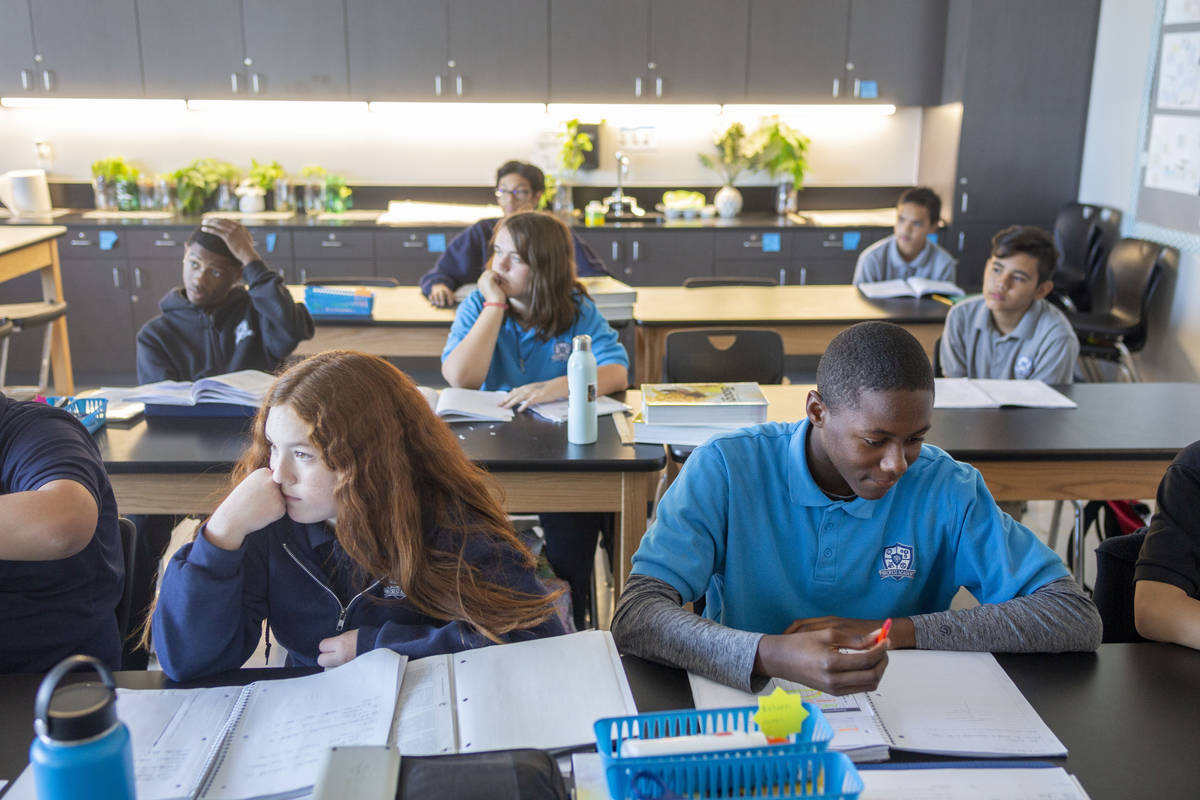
(1012,331)
(908,253)
(803,537)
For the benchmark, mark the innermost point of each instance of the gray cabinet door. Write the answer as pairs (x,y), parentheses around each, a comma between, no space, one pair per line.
(192,49)
(797,51)
(296,49)
(896,50)
(500,50)
(610,245)
(398,49)
(666,258)
(598,51)
(149,282)
(88,49)
(698,51)
(17,75)
(99,321)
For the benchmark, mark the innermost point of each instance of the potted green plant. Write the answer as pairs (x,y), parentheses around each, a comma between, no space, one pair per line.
(198,181)
(114,183)
(575,145)
(781,152)
(736,153)
(270,178)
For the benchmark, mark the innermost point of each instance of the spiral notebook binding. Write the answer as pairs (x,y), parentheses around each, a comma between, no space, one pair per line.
(216,756)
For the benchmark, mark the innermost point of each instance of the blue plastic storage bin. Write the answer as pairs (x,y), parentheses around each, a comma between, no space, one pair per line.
(735,774)
(338,301)
(91,411)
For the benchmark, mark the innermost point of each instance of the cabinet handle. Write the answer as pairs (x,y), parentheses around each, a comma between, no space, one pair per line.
(254,82)
(417,243)
(27,80)
(164,242)
(963,204)
(437,85)
(804,276)
(857,86)
(233,82)
(635,249)
(637,87)
(629,270)
(837,83)
(48,80)
(137,277)
(616,251)
(116,277)
(751,243)
(81,243)
(303,275)
(831,243)
(962,240)
(331,243)
(458,85)
(782,276)
(658,87)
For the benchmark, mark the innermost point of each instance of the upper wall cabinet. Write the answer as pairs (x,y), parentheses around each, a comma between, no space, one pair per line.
(659,51)
(244,49)
(822,51)
(448,50)
(79,49)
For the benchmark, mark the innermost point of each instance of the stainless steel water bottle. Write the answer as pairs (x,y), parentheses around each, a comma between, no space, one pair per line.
(581,392)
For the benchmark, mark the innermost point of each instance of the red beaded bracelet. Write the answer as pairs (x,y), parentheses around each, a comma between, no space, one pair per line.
(500,305)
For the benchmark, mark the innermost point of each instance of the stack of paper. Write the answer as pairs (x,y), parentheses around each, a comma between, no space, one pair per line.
(993,393)
(614,299)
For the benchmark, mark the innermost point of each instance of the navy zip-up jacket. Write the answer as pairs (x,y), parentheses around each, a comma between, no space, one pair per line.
(213,601)
(254,328)
(467,253)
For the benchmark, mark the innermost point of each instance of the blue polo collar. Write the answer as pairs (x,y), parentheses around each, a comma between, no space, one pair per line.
(803,488)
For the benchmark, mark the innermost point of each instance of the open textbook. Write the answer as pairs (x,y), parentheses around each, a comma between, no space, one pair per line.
(996,393)
(557,410)
(543,693)
(929,701)
(908,287)
(263,740)
(467,405)
(245,387)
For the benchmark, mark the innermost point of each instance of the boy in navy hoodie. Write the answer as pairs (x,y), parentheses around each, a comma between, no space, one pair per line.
(210,326)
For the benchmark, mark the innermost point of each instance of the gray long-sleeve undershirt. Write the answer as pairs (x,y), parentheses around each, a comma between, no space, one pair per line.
(650,622)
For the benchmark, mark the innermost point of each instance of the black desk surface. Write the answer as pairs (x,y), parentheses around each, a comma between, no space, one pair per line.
(1113,420)
(526,444)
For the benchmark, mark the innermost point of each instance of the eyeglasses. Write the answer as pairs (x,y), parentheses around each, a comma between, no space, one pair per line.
(518,194)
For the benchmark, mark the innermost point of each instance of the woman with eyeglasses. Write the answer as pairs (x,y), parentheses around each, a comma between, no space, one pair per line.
(519,187)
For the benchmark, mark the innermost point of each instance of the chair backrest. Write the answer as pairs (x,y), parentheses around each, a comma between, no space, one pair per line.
(350,280)
(1115,560)
(6,327)
(1106,232)
(937,358)
(1130,277)
(128,548)
(726,280)
(1073,238)
(724,355)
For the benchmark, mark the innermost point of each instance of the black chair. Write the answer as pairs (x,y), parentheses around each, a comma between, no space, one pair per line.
(1115,560)
(350,280)
(1084,235)
(22,317)
(1116,326)
(128,545)
(937,358)
(727,280)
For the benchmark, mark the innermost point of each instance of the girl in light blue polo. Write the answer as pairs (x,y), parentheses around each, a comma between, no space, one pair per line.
(514,333)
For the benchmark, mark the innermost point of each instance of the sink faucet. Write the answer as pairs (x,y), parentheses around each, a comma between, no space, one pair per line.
(617,204)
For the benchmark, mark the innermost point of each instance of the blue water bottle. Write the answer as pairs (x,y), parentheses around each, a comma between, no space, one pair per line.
(81,748)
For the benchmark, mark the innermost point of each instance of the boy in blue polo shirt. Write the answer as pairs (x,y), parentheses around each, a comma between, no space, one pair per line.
(803,537)
(61,565)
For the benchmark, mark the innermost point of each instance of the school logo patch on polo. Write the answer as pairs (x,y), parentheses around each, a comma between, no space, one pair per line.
(1023,368)
(562,351)
(898,562)
(242,331)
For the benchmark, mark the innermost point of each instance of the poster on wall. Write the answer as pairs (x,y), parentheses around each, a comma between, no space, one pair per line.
(1173,157)
(1179,72)
(1181,12)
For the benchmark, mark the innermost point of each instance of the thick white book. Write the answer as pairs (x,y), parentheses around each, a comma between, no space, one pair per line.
(929,701)
(908,287)
(996,393)
(245,387)
(264,740)
(543,693)
(703,403)
(679,435)
(467,405)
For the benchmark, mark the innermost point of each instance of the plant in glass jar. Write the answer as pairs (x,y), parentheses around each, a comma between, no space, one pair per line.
(197,182)
(269,176)
(571,155)
(781,153)
(114,182)
(736,153)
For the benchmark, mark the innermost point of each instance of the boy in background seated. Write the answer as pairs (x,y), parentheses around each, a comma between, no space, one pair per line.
(908,252)
(1012,331)
(61,564)
(1166,593)
(210,326)
(803,537)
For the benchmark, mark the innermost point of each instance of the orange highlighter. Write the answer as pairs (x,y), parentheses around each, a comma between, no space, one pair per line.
(884,630)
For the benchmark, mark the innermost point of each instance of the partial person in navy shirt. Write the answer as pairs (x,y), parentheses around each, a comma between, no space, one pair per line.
(61,565)
(355,521)
(519,187)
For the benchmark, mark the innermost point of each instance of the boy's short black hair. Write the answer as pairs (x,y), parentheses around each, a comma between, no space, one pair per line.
(533,175)
(213,244)
(1033,242)
(926,198)
(871,357)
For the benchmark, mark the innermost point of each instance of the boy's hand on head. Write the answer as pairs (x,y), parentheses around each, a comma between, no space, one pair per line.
(238,239)
(441,295)
(337,650)
(253,504)
(865,630)
(816,659)
(491,287)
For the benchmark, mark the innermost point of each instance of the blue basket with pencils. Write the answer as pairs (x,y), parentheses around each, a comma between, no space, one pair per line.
(795,766)
(91,411)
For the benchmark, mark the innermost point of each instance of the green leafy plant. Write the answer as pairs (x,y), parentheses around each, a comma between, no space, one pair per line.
(313,171)
(198,181)
(337,194)
(736,153)
(574,146)
(114,169)
(121,182)
(264,175)
(781,151)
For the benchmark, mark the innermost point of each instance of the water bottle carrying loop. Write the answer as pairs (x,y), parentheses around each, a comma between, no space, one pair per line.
(45,693)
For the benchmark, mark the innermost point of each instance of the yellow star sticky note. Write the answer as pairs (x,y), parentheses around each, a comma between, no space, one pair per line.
(780,714)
